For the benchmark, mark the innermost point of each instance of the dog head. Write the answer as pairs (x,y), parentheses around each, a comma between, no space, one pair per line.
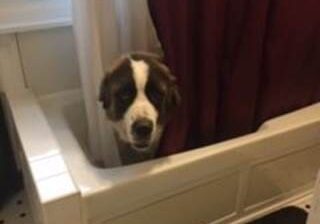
(138,95)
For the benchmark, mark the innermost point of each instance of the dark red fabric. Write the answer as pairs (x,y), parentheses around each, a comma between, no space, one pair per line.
(238,63)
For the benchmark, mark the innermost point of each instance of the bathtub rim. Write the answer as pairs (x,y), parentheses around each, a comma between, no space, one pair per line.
(268,129)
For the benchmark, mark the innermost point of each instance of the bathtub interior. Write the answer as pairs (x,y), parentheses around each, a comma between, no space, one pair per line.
(67,106)
(236,177)
(65,113)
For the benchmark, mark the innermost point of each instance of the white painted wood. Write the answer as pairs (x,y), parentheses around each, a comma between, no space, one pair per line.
(49,60)
(11,73)
(26,15)
(282,175)
(210,201)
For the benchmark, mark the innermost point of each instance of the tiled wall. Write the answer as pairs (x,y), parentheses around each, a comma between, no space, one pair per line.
(49,61)
(43,60)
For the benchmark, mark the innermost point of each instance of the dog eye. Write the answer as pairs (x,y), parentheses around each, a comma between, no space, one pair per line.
(125,95)
(156,96)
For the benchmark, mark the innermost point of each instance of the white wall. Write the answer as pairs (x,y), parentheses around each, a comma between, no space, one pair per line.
(44,61)
(11,74)
(49,61)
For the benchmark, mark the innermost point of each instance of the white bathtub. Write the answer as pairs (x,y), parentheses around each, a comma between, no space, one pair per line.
(230,182)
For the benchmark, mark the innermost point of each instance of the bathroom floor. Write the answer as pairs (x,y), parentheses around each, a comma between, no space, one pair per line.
(16,211)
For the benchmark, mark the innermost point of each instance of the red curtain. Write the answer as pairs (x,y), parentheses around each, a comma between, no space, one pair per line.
(238,63)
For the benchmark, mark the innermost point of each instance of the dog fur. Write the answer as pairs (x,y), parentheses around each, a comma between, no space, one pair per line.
(138,94)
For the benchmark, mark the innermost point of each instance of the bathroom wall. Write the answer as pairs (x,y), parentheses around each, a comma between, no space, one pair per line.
(49,60)
(43,60)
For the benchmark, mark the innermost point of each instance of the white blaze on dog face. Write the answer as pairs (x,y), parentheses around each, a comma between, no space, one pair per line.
(141,108)
(139,89)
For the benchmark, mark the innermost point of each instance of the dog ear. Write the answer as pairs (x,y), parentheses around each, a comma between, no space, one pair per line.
(174,97)
(105,87)
(104,95)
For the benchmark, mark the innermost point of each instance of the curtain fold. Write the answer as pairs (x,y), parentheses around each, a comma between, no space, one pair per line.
(238,63)
(103,31)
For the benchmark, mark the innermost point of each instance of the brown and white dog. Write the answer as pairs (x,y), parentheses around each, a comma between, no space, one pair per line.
(138,94)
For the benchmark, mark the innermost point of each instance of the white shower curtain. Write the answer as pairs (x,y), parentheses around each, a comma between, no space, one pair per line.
(105,29)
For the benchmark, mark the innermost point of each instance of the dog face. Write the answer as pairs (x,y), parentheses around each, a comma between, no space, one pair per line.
(138,95)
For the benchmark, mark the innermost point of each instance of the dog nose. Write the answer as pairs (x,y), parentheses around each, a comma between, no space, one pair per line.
(142,128)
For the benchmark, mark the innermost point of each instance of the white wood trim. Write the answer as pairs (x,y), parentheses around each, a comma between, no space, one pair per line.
(11,73)
(26,15)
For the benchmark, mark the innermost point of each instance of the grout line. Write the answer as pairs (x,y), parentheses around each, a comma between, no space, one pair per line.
(21,61)
(53,175)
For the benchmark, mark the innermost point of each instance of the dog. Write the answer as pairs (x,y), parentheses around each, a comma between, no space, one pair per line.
(138,94)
